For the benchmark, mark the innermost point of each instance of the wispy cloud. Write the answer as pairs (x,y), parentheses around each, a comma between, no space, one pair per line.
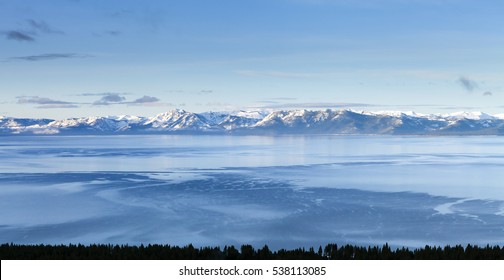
(42,26)
(121,13)
(49,56)
(148,101)
(175,91)
(267,102)
(110,98)
(279,74)
(103,94)
(458,108)
(113,32)
(144,99)
(19,36)
(195,92)
(350,105)
(487,93)
(46,103)
(318,105)
(39,100)
(283,98)
(58,106)
(107,99)
(468,84)
(32,29)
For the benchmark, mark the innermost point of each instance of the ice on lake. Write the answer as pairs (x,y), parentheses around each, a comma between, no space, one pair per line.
(229,190)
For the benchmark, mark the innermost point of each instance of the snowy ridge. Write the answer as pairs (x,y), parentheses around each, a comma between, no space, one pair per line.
(469,116)
(269,123)
(177,120)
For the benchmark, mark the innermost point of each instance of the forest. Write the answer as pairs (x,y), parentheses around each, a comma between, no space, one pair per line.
(245,252)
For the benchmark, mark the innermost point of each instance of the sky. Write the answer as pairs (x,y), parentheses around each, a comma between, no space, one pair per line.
(75,58)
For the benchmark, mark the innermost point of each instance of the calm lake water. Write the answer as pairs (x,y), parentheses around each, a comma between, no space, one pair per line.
(230,190)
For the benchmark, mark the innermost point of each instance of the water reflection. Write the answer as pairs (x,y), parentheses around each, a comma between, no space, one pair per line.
(284,191)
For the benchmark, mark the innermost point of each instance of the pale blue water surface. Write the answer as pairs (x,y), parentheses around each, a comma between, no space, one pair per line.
(229,190)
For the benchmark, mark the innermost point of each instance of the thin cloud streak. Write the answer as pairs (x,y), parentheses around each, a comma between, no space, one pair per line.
(49,56)
(200,92)
(117,99)
(458,108)
(42,26)
(58,106)
(271,104)
(278,74)
(321,105)
(19,36)
(40,100)
(145,99)
(111,98)
(108,99)
(35,28)
(113,32)
(104,94)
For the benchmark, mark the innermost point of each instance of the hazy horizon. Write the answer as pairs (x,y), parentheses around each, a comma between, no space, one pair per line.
(271,110)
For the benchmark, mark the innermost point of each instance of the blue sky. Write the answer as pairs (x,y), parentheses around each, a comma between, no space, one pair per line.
(71,58)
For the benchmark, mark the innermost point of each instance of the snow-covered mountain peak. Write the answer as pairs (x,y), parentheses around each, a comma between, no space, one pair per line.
(469,116)
(396,114)
(214,117)
(171,114)
(128,118)
(499,116)
(178,120)
(298,113)
(64,123)
(254,114)
(276,122)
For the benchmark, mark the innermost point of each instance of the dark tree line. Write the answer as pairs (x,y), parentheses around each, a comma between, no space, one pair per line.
(245,252)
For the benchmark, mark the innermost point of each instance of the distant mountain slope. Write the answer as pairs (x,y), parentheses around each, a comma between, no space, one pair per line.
(264,123)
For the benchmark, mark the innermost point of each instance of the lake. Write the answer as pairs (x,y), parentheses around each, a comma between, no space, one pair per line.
(286,191)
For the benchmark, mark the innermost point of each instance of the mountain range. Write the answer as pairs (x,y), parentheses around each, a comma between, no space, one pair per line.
(265,123)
